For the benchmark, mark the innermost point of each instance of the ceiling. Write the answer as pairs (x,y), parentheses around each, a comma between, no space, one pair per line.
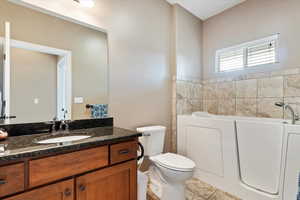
(206,8)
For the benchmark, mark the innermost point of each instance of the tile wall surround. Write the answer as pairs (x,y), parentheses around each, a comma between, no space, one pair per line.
(189,96)
(185,102)
(250,95)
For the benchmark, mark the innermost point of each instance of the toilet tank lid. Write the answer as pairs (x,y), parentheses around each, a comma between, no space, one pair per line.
(150,129)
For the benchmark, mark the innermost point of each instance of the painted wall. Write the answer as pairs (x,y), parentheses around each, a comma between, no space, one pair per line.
(139,42)
(251,20)
(1,66)
(88,47)
(187,60)
(188,39)
(33,75)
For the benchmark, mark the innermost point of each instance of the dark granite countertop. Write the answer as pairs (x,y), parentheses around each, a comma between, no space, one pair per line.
(21,147)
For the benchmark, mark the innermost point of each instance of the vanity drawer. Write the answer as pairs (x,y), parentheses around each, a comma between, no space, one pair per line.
(46,170)
(11,179)
(123,151)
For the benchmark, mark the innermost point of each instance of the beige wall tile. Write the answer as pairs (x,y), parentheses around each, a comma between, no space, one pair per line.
(197,91)
(210,91)
(270,87)
(184,107)
(179,106)
(246,107)
(196,105)
(285,72)
(226,90)
(227,107)
(246,88)
(189,90)
(292,85)
(247,97)
(266,108)
(211,106)
(257,75)
(181,89)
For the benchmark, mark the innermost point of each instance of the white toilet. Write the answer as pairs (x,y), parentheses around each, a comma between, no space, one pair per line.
(174,169)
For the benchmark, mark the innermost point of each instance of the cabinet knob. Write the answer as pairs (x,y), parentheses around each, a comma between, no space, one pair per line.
(81,187)
(68,192)
(3,181)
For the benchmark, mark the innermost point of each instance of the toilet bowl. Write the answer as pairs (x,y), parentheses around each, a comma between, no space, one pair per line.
(175,170)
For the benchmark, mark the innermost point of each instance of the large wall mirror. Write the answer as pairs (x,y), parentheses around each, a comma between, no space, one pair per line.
(50,67)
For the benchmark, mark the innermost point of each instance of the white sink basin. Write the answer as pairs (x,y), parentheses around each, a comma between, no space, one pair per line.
(63,139)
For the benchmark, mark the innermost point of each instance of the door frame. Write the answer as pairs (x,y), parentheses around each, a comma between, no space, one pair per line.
(5,96)
(61,88)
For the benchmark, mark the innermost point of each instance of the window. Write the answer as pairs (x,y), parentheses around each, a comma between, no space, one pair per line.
(250,54)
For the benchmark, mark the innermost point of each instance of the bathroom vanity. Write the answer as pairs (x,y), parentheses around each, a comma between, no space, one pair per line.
(103,166)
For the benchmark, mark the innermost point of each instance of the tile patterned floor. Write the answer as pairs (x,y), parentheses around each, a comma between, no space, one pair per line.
(151,196)
(198,190)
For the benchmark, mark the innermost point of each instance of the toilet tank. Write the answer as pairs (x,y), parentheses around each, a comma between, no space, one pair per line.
(153,139)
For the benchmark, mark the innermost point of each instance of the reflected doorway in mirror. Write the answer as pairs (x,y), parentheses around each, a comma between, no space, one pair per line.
(64,76)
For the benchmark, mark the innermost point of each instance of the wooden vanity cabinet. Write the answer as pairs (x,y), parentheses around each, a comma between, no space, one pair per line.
(59,191)
(114,183)
(12,179)
(46,170)
(102,173)
(123,151)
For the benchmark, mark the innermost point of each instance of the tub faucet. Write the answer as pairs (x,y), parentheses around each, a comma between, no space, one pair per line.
(295,117)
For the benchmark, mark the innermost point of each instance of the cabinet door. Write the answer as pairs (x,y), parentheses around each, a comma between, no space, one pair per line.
(115,183)
(59,191)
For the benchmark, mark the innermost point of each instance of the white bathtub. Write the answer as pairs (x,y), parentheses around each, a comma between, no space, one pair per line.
(242,155)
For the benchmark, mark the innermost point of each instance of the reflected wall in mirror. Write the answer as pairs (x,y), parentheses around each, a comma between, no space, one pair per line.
(41,97)
(52,67)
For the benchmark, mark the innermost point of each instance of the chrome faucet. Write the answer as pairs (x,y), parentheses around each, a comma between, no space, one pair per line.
(57,126)
(53,123)
(64,125)
(295,117)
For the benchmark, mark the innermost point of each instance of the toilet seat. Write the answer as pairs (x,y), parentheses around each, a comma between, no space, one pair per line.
(174,162)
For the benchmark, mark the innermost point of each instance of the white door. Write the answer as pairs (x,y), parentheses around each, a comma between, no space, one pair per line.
(61,89)
(260,151)
(292,168)
(6,72)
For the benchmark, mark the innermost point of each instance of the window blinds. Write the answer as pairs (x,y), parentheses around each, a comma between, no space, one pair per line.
(261,54)
(250,54)
(231,60)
